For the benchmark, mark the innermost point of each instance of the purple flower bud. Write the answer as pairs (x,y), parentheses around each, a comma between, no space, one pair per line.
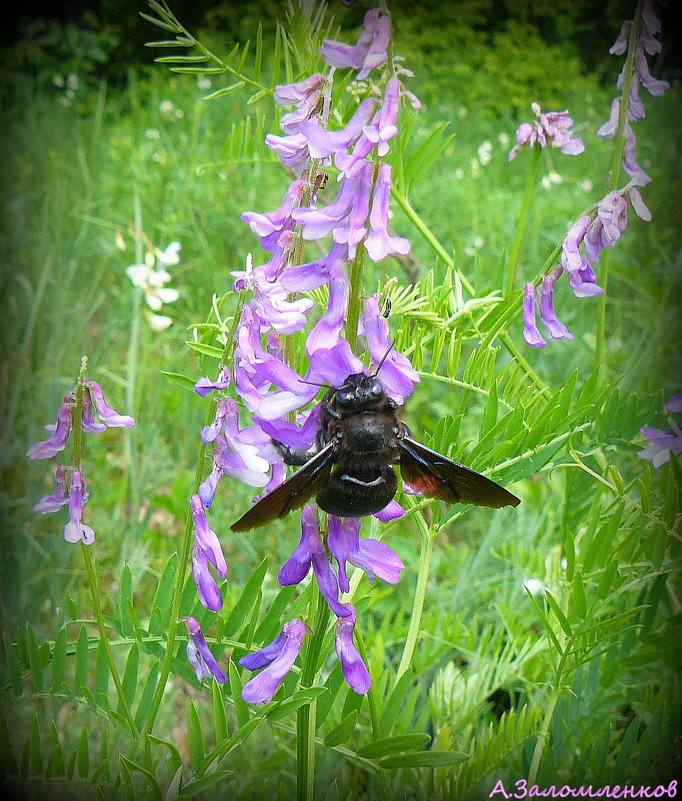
(308,108)
(199,654)
(53,502)
(619,47)
(379,243)
(109,417)
(279,658)
(206,539)
(204,385)
(207,587)
(610,128)
(530,329)
(76,529)
(57,442)
(555,328)
(354,669)
(674,403)
(630,165)
(293,150)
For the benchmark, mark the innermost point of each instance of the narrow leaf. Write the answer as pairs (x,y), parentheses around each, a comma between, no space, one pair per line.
(81,673)
(424,759)
(342,733)
(414,741)
(242,608)
(195,736)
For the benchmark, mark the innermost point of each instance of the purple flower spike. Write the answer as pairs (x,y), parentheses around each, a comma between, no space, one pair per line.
(199,654)
(555,328)
(76,529)
(379,243)
(54,502)
(57,442)
(108,416)
(279,658)
(530,329)
(354,669)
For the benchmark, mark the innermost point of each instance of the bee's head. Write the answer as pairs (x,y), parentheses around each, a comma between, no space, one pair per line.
(359,392)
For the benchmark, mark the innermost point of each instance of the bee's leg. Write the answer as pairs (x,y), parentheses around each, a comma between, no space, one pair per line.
(293,456)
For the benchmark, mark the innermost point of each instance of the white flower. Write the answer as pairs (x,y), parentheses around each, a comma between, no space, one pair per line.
(485,152)
(504,139)
(585,186)
(551,178)
(151,280)
(534,586)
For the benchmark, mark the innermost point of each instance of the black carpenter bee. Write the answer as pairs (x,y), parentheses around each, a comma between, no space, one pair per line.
(351,474)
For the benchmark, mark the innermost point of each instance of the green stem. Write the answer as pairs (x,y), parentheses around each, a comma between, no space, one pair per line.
(523,216)
(354,301)
(614,178)
(88,557)
(427,538)
(306,716)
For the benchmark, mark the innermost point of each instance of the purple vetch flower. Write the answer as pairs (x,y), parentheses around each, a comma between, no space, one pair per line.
(60,497)
(551,127)
(294,93)
(277,659)
(397,374)
(292,150)
(110,417)
(327,331)
(368,52)
(674,403)
(663,442)
(207,587)
(383,127)
(322,142)
(310,552)
(199,654)
(379,242)
(76,529)
(60,432)
(555,328)
(314,274)
(370,555)
(354,669)
(265,224)
(530,329)
(206,539)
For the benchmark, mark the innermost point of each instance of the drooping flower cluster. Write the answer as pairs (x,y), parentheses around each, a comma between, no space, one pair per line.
(664,442)
(580,253)
(71,488)
(645,42)
(550,128)
(272,391)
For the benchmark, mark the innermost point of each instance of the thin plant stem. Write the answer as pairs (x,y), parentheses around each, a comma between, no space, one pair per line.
(89,560)
(427,539)
(523,216)
(306,716)
(186,546)
(614,178)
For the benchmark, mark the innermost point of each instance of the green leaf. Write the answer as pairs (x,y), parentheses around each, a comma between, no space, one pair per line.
(129,681)
(242,608)
(386,746)
(219,712)
(125,600)
(197,786)
(13,665)
(154,788)
(224,91)
(578,601)
(205,350)
(35,659)
(182,380)
(59,661)
(195,736)
(56,761)
(34,746)
(241,708)
(101,671)
(606,580)
(182,59)
(128,792)
(297,700)
(83,751)
(81,673)
(545,622)
(342,733)
(163,594)
(561,617)
(390,712)
(147,695)
(424,759)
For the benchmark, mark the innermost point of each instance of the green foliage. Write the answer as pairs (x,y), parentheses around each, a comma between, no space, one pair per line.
(548,641)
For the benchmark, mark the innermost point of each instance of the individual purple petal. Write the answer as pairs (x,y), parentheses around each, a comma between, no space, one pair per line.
(377,52)
(333,365)
(265,224)
(383,127)
(352,230)
(293,150)
(204,386)
(327,331)
(53,502)
(57,442)
(392,511)
(209,485)
(109,417)
(88,422)
(610,128)
(378,560)
(292,435)
(207,587)
(354,669)
(674,403)
(322,142)
(396,374)
(75,529)
(262,687)
(320,222)
(379,243)
(630,165)
(619,47)
(307,109)
(661,445)
(298,565)
(654,86)
(210,432)
(530,329)
(638,204)
(649,19)
(314,274)
(206,539)
(289,94)
(555,328)
(199,654)
(262,658)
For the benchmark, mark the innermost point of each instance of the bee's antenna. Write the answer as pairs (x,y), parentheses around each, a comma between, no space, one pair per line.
(315,384)
(383,359)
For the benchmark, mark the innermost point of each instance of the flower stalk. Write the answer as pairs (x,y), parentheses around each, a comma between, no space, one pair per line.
(523,216)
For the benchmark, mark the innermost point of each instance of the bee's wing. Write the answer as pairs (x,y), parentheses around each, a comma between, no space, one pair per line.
(292,494)
(434,475)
